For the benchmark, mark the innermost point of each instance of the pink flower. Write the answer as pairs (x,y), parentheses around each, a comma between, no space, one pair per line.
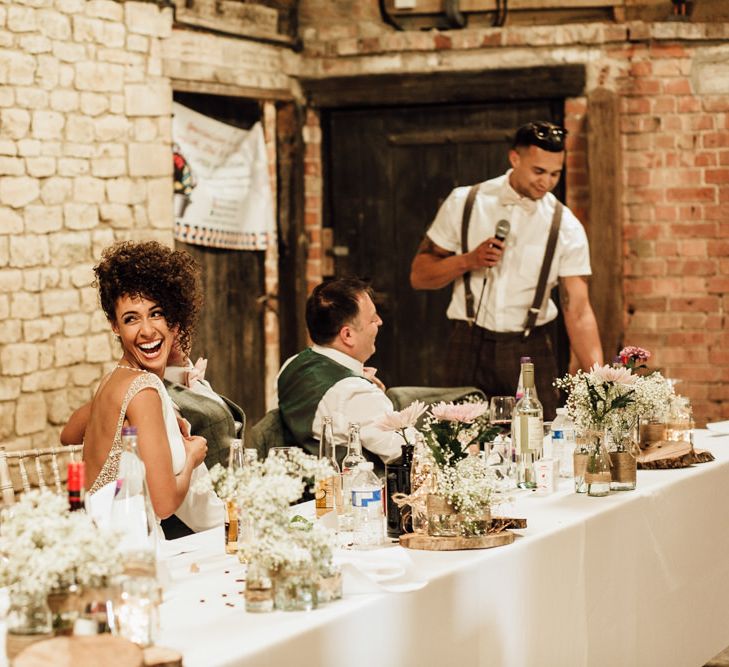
(397,421)
(460,412)
(619,375)
(634,353)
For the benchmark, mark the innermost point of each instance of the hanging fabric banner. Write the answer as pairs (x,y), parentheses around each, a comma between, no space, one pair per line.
(222,188)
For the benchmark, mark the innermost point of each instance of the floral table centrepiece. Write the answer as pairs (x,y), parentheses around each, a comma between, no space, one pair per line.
(462,487)
(605,404)
(48,553)
(293,552)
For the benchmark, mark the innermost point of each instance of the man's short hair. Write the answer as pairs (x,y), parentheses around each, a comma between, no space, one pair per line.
(540,133)
(333,304)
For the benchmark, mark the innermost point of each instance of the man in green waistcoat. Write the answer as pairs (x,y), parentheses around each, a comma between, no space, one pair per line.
(330,378)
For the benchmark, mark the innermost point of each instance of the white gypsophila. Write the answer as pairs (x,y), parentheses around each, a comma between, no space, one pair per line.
(594,402)
(43,546)
(469,487)
(264,491)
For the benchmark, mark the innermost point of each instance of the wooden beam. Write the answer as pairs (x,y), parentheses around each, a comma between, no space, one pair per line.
(446,87)
(230,90)
(605,229)
(438,6)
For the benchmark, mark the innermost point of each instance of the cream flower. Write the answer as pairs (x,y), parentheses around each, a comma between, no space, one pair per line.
(618,375)
(466,413)
(397,421)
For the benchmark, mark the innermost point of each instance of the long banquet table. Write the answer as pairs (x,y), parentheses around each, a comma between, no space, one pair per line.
(636,578)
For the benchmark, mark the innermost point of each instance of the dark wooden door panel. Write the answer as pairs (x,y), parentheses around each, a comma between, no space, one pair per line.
(387,170)
(230,334)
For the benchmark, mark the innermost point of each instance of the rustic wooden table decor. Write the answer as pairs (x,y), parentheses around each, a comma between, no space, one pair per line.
(671,454)
(497,536)
(91,651)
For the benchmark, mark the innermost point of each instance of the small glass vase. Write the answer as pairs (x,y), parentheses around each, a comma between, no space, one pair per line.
(443,520)
(597,471)
(295,588)
(623,464)
(329,586)
(579,463)
(259,589)
(28,620)
(65,606)
(476,526)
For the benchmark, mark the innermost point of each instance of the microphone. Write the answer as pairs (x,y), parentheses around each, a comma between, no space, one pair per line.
(503,227)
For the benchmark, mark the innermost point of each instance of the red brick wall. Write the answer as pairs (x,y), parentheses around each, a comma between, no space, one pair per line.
(675,144)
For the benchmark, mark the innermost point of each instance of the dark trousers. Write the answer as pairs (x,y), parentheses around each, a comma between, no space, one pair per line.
(490,361)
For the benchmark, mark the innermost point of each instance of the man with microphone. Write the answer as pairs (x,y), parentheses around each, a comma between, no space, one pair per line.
(504,244)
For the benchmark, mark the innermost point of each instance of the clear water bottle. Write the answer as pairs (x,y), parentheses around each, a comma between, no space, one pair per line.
(350,464)
(131,509)
(563,442)
(368,517)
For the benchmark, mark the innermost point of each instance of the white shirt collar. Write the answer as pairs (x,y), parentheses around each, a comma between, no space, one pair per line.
(340,357)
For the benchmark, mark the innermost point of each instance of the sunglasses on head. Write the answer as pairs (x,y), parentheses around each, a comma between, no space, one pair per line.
(547,132)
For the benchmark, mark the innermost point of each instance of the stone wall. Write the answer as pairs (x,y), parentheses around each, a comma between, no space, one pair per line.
(84,160)
(85,99)
(673,84)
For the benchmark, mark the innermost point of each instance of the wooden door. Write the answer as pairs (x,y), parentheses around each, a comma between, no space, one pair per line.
(231,334)
(387,170)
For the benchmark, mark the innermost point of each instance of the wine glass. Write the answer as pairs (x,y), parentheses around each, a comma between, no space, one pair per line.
(500,411)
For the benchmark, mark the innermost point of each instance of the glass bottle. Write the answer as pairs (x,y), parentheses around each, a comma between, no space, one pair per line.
(368,520)
(349,467)
(327,489)
(520,383)
(397,480)
(235,462)
(528,430)
(131,509)
(76,485)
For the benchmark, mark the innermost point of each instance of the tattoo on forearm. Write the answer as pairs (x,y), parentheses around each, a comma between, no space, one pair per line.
(426,247)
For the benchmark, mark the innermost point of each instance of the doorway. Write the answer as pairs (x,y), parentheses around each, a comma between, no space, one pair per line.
(231,331)
(386,172)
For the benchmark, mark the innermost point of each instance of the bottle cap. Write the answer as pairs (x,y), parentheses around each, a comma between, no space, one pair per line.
(129,430)
(524,360)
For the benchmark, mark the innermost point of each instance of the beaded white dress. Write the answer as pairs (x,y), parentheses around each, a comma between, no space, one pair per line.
(200,511)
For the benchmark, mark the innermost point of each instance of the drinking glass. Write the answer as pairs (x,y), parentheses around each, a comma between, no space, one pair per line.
(500,411)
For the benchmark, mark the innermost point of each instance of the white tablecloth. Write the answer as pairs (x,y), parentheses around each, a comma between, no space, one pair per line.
(637,578)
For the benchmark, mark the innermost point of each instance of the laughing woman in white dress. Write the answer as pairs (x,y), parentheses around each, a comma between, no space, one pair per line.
(151,296)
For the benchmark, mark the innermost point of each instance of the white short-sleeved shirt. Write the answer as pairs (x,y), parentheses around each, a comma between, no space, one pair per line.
(512,283)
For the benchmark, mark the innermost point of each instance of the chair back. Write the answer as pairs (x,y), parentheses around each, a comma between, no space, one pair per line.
(42,463)
(269,432)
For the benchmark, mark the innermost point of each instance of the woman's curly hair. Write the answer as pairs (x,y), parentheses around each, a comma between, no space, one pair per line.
(170,278)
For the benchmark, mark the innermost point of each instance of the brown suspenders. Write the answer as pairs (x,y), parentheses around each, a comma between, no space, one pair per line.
(531,317)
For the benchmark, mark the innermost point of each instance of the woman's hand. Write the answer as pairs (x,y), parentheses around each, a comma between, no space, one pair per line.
(196,447)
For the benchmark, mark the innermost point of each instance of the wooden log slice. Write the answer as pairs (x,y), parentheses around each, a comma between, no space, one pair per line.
(81,652)
(428,543)
(667,454)
(159,656)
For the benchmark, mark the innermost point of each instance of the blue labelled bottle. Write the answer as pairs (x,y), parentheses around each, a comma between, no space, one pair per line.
(367,514)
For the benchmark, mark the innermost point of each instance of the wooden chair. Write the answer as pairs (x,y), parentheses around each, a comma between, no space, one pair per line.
(41,460)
